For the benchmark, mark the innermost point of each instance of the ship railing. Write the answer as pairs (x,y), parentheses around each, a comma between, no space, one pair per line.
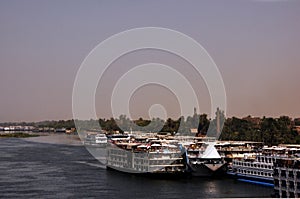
(276,187)
(284,178)
(166,165)
(166,158)
(290,178)
(164,152)
(291,189)
(277,177)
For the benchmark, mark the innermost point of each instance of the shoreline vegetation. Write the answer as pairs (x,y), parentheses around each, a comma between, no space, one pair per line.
(269,130)
(45,137)
(18,135)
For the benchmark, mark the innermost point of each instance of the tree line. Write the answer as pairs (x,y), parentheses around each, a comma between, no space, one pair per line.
(271,131)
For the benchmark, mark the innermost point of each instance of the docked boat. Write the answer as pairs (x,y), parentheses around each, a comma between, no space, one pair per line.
(258,168)
(230,150)
(95,140)
(145,156)
(287,177)
(204,160)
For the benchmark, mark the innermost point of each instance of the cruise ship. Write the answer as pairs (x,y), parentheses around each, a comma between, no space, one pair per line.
(230,150)
(258,168)
(145,155)
(95,140)
(204,160)
(287,177)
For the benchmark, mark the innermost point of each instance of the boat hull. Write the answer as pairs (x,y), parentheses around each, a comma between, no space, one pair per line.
(175,174)
(252,179)
(202,170)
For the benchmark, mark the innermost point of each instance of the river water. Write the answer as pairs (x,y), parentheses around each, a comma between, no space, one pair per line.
(41,170)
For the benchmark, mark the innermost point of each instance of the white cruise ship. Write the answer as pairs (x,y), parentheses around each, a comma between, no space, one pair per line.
(287,177)
(259,168)
(95,140)
(145,156)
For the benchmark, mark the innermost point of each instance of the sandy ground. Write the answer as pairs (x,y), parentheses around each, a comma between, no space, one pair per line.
(56,139)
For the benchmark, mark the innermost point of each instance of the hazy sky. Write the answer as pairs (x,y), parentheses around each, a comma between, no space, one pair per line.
(255,44)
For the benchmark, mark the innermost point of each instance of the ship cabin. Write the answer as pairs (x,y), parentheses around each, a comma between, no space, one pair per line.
(145,154)
(287,177)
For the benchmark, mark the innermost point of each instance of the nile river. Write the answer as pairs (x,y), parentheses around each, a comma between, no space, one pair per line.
(42,170)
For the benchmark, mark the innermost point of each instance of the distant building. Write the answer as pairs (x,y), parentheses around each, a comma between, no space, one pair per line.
(194,130)
(297,129)
(61,130)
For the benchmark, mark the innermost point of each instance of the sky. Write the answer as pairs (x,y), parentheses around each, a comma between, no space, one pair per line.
(254,43)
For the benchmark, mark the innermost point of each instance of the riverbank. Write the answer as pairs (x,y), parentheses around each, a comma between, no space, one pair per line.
(18,135)
(53,138)
(37,170)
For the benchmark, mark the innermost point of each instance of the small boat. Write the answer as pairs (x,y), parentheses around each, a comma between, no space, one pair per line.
(95,140)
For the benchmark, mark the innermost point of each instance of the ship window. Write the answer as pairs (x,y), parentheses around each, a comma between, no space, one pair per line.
(298,174)
(291,174)
(283,183)
(283,194)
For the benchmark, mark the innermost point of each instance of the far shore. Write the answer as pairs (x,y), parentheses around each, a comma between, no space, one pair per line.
(45,137)
(54,138)
(18,135)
